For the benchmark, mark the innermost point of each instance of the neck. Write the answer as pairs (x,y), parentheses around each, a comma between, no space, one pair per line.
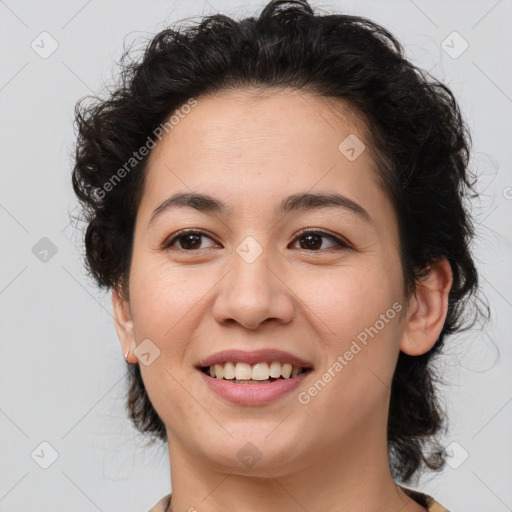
(354,475)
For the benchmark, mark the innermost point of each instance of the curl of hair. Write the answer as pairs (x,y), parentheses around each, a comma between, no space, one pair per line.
(420,141)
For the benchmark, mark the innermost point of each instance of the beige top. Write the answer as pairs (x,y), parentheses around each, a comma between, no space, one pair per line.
(422,499)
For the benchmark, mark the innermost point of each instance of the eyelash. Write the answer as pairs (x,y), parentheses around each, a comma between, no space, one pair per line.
(181,234)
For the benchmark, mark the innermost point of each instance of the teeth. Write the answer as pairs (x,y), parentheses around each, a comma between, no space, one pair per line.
(286,370)
(258,371)
(275,370)
(219,371)
(243,371)
(229,371)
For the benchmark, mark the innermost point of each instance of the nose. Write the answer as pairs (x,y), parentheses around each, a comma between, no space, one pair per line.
(253,293)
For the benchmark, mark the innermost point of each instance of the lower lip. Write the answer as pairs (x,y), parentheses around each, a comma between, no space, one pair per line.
(253,394)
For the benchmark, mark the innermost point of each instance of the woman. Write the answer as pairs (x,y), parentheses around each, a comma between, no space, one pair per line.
(277,205)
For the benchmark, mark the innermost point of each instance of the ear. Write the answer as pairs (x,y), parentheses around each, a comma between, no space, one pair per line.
(427,310)
(124,325)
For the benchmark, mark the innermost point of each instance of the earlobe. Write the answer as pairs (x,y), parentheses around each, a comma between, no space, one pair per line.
(124,325)
(427,310)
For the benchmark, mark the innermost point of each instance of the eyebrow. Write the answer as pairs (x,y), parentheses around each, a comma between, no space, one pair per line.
(296,202)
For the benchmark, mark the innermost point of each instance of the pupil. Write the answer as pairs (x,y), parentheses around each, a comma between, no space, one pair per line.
(188,237)
(311,241)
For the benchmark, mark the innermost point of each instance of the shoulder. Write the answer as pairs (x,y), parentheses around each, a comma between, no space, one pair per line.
(424,499)
(162,505)
(434,506)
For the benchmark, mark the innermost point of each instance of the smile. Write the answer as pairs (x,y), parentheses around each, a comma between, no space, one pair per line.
(251,392)
(244,373)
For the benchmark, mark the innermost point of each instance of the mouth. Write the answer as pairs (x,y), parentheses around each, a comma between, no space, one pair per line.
(258,384)
(256,374)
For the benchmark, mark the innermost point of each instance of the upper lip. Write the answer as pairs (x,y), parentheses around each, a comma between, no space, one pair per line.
(253,357)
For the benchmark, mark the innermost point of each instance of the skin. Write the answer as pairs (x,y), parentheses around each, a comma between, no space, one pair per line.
(250,151)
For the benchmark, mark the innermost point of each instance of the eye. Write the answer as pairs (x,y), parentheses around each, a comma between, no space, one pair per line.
(189,240)
(313,240)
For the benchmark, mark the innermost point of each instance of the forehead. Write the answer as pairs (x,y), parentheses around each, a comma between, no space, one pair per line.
(305,120)
(253,147)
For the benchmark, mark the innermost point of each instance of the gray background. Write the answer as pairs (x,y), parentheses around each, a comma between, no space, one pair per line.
(62,372)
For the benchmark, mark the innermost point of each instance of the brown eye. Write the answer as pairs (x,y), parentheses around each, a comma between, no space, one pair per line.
(308,240)
(186,240)
(312,240)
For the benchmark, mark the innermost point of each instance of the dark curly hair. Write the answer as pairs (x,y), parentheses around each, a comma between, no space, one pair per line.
(420,142)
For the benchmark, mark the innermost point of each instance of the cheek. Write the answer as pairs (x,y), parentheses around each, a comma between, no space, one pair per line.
(343,302)
(358,335)
(164,296)
(166,304)
(357,322)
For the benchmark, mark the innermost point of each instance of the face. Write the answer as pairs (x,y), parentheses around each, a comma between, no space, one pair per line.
(247,277)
